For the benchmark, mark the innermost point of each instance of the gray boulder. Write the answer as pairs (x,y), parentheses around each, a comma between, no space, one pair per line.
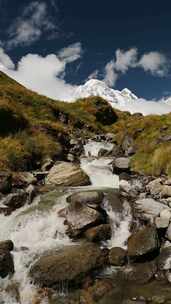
(121,164)
(89,198)
(67,174)
(163,220)
(155,187)
(80,217)
(70,264)
(165,191)
(149,208)
(143,242)
(117,256)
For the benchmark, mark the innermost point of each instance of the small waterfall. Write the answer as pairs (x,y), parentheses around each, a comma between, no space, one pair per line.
(99,169)
(92,148)
(120,224)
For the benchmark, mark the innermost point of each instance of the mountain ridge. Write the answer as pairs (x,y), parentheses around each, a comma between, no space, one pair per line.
(123,100)
(95,87)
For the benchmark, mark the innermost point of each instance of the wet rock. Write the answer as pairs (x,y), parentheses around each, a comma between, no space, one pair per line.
(121,164)
(5,182)
(117,256)
(70,264)
(67,174)
(165,191)
(163,220)
(6,263)
(23,179)
(90,198)
(155,187)
(164,259)
(99,233)
(149,208)
(144,242)
(6,245)
(140,273)
(15,200)
(80,217)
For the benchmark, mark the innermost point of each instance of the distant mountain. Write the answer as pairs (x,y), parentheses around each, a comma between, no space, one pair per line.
(123,100)
(94,87)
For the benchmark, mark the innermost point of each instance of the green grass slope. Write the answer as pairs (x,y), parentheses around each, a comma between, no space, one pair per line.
(152,140)
(33,127)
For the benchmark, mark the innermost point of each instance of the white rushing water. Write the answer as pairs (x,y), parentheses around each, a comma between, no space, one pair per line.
(99,169)
(100,172)
(120,224)
(32,233)
(35,230)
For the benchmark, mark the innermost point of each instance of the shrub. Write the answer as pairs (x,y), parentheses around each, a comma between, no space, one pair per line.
(13,154)
(11,121)
(161,160)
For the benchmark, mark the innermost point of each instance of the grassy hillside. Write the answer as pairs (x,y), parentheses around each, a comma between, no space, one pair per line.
(33,127)
(152,140)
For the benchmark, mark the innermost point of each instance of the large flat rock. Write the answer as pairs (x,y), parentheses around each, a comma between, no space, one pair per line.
(71,264)
(67,174)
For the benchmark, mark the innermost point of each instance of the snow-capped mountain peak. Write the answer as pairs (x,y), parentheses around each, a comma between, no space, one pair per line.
(123,100)
(128,94)
(94,87)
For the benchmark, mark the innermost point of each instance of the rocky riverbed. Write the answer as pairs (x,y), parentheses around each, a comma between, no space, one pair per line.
(87,230)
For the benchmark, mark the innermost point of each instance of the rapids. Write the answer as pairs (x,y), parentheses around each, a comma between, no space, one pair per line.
(37,228)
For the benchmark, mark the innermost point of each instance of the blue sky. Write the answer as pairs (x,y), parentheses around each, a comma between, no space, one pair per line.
(139,31)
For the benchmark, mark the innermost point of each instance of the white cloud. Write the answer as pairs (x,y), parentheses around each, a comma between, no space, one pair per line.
(5,60)
(28,28)
(43,74)
(125,59)
(71,53)
(111,75)
(145,107)
(155,63)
